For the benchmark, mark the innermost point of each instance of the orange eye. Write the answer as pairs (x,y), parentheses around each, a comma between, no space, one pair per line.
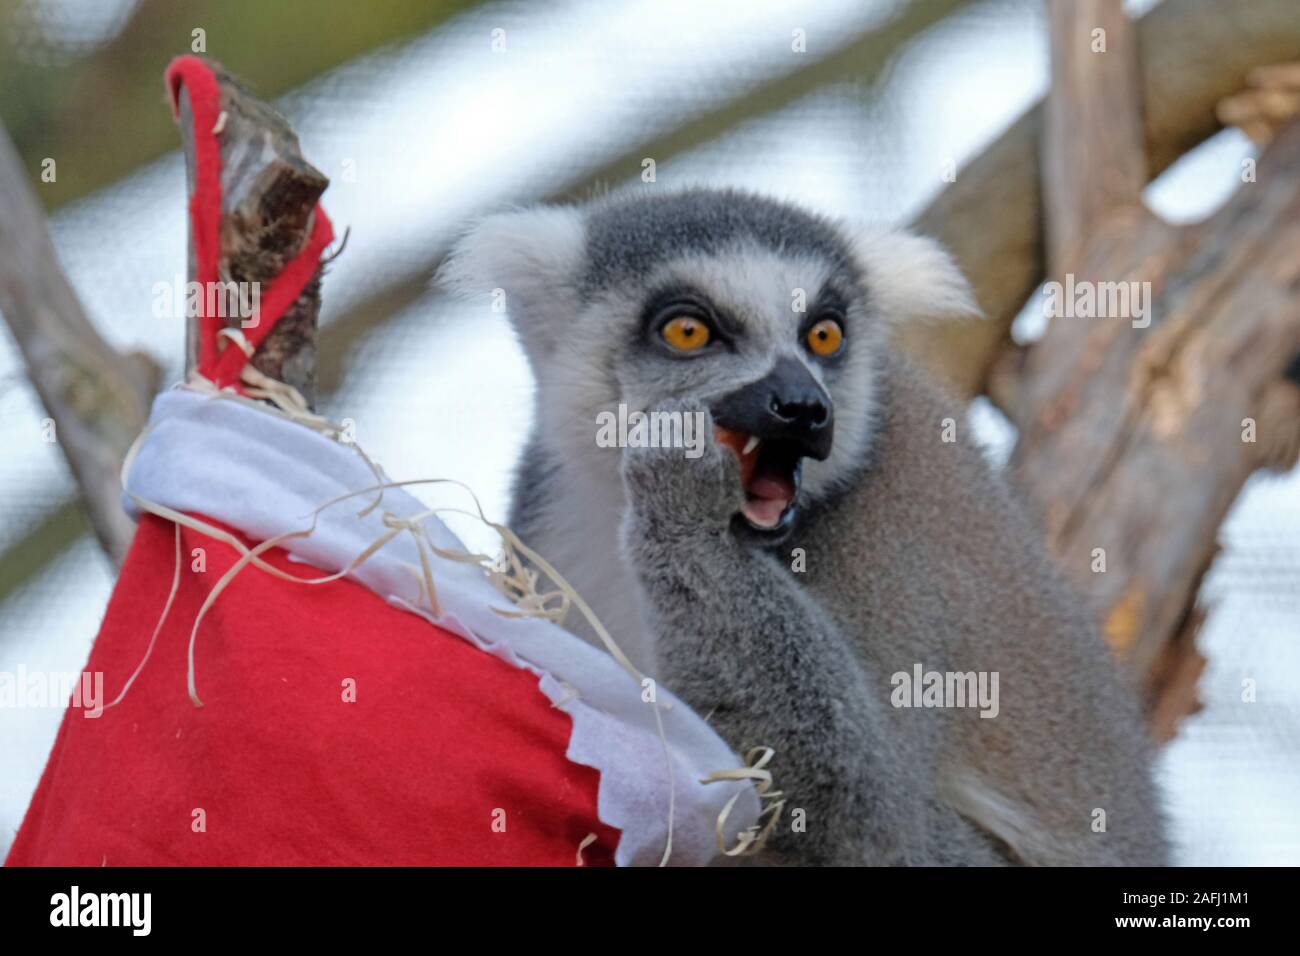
(825,337)
(685,333)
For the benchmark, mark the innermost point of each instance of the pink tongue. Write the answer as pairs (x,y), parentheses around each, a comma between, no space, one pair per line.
(771,487)
(768,497)
(764,513)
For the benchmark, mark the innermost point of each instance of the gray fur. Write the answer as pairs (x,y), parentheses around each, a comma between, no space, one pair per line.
(916,553)
(628,240)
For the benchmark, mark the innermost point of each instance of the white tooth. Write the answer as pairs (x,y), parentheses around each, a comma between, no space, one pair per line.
(750,445)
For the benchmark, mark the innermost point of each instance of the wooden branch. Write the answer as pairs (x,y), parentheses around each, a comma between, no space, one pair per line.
(97,397)
(1137,440)
(1171,684)
(1272,101)
(1133,440)
(268,197)
(1194,53)
(1093,148)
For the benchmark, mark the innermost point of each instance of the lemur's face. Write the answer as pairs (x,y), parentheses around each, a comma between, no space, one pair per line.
(777,344)
(770,316)
(754,308)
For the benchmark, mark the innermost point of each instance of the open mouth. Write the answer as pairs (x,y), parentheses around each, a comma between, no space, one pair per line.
(769,473)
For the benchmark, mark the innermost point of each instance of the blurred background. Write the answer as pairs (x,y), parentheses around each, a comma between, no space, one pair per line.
(420,122)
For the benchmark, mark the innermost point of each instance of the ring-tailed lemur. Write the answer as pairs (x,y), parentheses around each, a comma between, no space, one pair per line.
(790,585)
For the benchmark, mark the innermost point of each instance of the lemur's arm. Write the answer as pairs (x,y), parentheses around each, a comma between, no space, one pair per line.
(739,640)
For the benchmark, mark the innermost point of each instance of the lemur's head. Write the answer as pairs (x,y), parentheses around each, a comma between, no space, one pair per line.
(772,316)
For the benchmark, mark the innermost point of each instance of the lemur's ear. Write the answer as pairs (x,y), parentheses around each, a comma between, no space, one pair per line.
(912,277)
(529,256)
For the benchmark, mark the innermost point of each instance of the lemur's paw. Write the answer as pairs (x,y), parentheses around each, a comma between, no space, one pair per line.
(685,486)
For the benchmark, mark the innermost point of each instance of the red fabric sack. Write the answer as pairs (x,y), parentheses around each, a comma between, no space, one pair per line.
(445,756)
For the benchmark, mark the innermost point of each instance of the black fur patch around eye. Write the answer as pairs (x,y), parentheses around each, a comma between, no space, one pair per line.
(628,238)
(677,298)
(830,303)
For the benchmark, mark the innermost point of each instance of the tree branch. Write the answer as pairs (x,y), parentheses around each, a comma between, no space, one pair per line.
(1194,53)
(1137,441)
(268,197)
(1144,410)
(1093,148)
(97,397)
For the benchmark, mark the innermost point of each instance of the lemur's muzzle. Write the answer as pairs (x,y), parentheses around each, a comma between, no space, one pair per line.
(786,405)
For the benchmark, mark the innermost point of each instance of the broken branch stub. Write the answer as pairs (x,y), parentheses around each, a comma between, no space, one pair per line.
(268,200)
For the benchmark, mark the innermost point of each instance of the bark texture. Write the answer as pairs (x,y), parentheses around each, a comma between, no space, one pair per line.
(268,197)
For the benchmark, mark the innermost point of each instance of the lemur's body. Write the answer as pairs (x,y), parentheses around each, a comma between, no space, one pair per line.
(914,551)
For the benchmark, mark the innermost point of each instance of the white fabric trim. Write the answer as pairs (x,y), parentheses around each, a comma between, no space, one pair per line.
(265,475)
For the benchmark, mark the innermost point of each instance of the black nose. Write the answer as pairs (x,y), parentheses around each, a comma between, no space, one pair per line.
(786,403)
(806,411)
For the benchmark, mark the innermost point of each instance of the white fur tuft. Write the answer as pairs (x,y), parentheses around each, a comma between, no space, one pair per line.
(533,255)
(995,813)
(912,278)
